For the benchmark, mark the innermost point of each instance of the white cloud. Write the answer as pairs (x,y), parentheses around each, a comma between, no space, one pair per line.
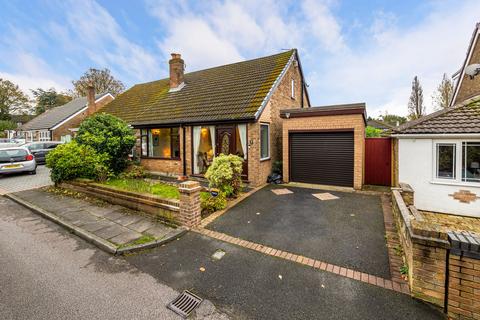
(381,73)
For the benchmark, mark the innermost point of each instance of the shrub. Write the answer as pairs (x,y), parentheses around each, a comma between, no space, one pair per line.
(372,132)
(225,173)
(210,204)
(134,171)
(108,135)
(73,160)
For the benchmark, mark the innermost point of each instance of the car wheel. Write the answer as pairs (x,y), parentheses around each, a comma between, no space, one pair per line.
(33,171)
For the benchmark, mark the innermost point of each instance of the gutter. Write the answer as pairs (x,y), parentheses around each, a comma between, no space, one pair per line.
(435,135)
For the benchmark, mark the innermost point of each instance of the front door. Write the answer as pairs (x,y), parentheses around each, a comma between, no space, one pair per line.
(225,140)
(226,143)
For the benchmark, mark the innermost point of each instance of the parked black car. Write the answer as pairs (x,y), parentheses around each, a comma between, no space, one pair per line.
(41,149)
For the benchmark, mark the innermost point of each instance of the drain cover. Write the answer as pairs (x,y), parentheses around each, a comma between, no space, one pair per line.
(185,303)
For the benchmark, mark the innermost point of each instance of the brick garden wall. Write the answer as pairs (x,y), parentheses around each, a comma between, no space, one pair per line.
(353,121)
(464,288)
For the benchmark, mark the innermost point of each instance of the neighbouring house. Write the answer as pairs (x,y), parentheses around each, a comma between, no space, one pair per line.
(61,123)
(257,109)
(184,121)
(439,155)
(377,124)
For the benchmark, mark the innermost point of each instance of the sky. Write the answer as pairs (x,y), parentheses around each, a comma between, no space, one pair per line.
(351,51)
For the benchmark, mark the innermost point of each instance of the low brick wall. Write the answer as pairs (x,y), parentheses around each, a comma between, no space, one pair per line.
(464,276)
(186,211)
(425,252)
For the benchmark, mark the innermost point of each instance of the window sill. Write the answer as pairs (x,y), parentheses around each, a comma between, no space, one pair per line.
(456,183)
(160,158)
(264,159)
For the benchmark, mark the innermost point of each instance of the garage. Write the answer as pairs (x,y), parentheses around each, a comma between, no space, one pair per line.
(324,145)
(322,157)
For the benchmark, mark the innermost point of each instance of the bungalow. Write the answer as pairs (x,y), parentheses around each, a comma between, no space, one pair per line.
(184,121)
(61,123)
(439,155)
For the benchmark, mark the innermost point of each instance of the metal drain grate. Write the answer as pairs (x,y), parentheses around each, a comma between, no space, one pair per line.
(185,303)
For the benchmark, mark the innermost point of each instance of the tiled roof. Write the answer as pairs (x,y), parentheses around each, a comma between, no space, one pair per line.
(52,117)
(230,92)
(459,119)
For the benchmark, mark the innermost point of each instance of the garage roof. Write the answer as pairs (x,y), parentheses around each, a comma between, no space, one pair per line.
(330,110)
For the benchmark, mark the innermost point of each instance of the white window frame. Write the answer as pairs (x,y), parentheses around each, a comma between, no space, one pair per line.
(44,135)
(458,163)
(461,162)
(292,93)
(268,143)
(454,168)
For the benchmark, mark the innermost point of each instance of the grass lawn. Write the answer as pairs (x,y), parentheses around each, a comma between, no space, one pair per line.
(135,185)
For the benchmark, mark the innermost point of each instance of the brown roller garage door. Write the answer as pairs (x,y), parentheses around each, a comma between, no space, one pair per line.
(322,157)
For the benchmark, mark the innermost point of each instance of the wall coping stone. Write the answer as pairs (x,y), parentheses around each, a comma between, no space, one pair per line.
(465,244)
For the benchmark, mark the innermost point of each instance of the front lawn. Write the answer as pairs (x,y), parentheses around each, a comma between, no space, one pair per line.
(136,185)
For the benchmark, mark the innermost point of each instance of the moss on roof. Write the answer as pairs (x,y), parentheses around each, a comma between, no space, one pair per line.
(230,92)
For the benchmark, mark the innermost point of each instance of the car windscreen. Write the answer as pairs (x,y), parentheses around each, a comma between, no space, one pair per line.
(8,155)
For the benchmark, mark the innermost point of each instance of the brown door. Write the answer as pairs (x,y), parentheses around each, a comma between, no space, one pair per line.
(322,158)
(226,143)
(378,161)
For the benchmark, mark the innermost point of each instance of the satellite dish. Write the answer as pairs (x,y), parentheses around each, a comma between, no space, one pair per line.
(472,70)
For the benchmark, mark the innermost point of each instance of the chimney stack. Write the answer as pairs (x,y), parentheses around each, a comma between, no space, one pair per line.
(177,68)
(91,105)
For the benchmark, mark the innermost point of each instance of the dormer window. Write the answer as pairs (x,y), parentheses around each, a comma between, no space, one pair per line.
(293,89)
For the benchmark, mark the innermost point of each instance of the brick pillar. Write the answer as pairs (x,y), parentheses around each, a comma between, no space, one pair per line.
(190,210)
(464,276)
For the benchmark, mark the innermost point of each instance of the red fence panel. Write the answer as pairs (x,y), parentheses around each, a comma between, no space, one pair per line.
(378,161)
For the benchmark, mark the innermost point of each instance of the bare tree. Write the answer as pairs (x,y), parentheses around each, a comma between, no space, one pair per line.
(416,109)
(102,80)
(443,96)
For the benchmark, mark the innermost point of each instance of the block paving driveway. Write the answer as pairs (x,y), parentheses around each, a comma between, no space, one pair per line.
(23,181)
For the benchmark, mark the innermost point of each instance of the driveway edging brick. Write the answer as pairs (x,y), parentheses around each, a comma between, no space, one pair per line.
(316,264)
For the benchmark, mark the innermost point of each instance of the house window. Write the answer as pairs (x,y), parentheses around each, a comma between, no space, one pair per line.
(264,141)
(471,161)
(293,89)
(445,161)
(203,148)
(161,143)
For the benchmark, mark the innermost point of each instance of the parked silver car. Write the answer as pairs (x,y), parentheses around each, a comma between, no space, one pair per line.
(17,159)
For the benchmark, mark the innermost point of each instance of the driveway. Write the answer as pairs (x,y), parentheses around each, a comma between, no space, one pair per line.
(20,182)
(250,285)
(348,231)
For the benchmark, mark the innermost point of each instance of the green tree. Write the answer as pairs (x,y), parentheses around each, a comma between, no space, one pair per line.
(6,125)
(392,119)
(444,93)
(108,135)
(416,109)
(12,99)
(102,80)
(372,132)
(48,99)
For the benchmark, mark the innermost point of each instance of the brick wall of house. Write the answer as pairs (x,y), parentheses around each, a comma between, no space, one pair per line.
(258,171)
(76,121)
(470,87)
(464,288)
(354,121)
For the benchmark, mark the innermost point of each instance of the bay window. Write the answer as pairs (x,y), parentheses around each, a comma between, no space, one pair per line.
(163,143)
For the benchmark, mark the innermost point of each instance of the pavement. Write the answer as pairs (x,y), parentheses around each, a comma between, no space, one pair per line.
(246,284)
(24,181)
(348,231)
(112,223)
(48,273)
